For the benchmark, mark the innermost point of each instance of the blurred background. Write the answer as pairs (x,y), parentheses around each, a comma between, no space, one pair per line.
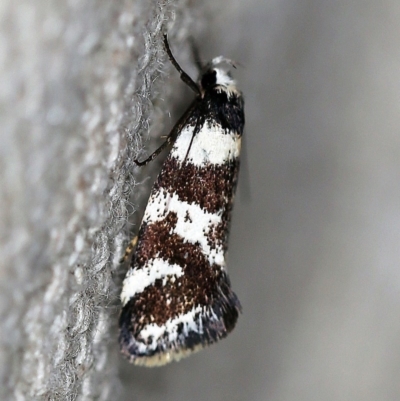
(315,241)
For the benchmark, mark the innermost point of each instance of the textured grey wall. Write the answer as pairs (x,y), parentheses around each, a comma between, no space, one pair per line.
(314,253)
(78,80)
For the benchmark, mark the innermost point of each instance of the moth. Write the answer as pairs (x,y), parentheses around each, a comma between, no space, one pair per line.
(177,297)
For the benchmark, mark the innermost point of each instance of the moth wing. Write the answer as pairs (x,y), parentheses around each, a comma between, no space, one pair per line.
(177,296)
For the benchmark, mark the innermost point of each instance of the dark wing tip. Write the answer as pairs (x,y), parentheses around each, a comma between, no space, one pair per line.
(212,324)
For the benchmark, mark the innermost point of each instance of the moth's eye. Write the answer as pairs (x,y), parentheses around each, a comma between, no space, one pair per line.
(209,79)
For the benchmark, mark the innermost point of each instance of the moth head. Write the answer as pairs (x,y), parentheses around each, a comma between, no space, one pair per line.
(215,75)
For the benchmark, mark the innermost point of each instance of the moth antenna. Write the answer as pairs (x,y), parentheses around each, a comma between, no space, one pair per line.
(183,75)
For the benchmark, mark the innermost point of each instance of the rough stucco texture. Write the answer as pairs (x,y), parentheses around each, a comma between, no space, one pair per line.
(77,83)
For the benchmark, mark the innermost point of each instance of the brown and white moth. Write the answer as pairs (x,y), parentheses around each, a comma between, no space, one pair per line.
(177,296)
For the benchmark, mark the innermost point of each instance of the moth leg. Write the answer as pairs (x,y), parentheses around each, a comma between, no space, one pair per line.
(178,126)
(129,249)
(171,136)
(184,76)
(168,141)
(195,132)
